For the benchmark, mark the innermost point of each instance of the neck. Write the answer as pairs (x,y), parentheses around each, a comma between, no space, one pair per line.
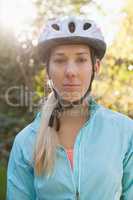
(70,124)
(78,112)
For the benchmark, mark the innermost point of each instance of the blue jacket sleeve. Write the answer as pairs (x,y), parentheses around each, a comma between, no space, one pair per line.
(127,181)
(20,176)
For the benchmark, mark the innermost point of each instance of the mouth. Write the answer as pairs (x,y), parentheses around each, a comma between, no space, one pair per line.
(71,87)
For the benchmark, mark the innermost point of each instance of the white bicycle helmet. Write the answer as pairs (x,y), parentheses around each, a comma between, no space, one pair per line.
(71,30)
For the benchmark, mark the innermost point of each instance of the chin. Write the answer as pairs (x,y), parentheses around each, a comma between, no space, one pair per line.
(71,100)
(71,97)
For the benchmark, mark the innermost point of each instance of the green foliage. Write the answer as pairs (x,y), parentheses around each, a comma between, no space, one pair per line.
(14,76)
(115,86)
(40,82)
(115,89)
(2,182)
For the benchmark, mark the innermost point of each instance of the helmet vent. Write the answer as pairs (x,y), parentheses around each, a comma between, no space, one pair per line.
(71,27)
(86,26)
(56,27)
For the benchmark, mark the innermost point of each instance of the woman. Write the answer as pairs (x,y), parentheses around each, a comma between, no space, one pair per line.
(75,148)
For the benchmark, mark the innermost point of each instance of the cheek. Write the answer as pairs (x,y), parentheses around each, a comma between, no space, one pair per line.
(56,77)
(52,72)
(86,76)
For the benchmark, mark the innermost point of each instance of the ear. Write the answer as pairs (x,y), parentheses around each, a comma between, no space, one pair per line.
(97,66)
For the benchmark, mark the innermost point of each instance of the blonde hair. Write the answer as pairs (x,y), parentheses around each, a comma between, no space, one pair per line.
(47,140)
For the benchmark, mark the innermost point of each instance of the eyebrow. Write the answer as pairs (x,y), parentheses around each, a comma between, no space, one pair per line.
(78,53)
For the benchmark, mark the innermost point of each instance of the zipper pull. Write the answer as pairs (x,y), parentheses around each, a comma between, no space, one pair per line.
(77,195)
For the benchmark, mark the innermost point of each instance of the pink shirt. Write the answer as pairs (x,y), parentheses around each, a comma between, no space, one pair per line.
(70,156)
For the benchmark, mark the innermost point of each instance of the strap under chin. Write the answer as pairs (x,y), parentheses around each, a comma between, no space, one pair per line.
(62,106)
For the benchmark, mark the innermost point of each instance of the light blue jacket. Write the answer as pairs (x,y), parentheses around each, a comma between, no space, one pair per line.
(103,162)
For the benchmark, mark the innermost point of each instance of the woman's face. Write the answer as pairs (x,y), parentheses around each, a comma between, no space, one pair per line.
(70,69)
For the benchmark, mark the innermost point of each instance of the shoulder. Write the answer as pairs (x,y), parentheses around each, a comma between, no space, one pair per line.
(115,117)
(107,116)
(24,141)
(29,132)
(115,122)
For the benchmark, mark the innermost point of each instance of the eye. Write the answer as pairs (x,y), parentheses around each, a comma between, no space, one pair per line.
(59,60)
(81,60)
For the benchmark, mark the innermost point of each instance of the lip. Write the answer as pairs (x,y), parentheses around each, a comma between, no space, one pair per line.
(71,85)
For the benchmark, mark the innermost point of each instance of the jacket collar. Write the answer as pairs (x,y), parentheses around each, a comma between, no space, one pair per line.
(92,108)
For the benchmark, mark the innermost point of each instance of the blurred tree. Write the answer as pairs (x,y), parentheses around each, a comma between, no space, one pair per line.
(115,84)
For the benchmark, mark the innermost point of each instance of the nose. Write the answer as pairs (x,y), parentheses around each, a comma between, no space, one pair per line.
(71,69)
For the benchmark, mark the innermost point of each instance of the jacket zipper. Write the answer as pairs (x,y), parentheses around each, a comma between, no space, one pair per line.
(76,190)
